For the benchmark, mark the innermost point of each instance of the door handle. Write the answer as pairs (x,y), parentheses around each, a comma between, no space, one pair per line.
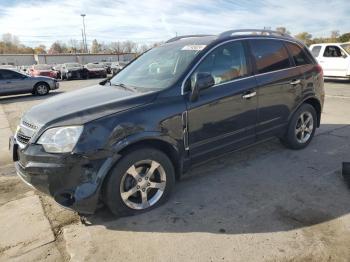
(249,95)
(295,82)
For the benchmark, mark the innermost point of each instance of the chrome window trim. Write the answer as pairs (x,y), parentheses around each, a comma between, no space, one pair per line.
(238,79)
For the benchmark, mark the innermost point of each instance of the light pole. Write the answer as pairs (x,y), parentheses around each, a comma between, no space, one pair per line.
(82,35)
(83,16)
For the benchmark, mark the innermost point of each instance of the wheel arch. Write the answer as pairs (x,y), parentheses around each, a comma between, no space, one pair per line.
(315,103)
(38,83)
(166,145)
(129,144)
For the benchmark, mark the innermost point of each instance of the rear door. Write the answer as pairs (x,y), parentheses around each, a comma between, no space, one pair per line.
(279,85)
(334,61)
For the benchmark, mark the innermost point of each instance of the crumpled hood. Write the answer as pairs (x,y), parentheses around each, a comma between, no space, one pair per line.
(83,105)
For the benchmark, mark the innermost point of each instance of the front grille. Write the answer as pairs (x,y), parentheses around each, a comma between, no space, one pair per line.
(25,132)
(22,138)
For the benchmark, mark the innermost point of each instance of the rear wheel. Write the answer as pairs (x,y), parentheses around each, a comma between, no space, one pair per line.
(301,128)
(142,180)
(41,89)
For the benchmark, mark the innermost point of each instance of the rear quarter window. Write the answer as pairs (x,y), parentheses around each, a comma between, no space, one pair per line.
(316,50)
(298,54)
(269,55)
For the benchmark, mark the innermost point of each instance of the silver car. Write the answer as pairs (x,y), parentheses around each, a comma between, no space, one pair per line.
(12,82)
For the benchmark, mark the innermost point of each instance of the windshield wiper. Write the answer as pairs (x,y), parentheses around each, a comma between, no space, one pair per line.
(125,87)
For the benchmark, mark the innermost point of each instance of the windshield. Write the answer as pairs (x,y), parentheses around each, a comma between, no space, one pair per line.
(92,66)
(42,67)
(346,47)
(72,65)
(160,67)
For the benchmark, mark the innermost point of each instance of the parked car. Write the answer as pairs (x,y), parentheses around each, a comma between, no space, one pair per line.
(72,71)
(8,67)
(57,68)
(24,69)
(117,66)
(127,140)
(94,70)
(334,59)
(12,82)
(42,70)
(107,66)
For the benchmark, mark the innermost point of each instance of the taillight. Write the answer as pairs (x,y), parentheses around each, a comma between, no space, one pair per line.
(319,69)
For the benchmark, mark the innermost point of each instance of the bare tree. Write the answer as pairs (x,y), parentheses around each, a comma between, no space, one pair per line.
(129,46)
(143,48)
(334,35)
(305,37)
(116,47)
(282,30)
(41,49)
(56,48)
(95,47)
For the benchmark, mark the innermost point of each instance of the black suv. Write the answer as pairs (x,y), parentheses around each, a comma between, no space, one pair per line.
(126,141)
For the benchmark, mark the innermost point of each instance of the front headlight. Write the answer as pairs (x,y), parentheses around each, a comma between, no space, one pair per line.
(60,139)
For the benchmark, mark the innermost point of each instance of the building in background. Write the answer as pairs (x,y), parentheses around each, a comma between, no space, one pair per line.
(23,60)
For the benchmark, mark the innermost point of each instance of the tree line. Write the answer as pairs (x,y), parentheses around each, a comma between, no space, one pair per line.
(10,44)
(308,39)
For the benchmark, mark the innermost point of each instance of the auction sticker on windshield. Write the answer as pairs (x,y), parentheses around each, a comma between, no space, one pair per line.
(193,47)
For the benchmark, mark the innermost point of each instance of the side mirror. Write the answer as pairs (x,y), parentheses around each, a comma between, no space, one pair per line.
(344,56)
(200,81)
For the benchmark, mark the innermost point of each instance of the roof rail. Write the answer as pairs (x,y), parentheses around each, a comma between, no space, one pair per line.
(252,31)
(182,37)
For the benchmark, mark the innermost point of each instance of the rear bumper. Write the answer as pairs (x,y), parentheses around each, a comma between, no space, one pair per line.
(73,180)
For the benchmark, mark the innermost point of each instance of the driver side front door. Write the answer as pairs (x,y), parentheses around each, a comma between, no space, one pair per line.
(224,116)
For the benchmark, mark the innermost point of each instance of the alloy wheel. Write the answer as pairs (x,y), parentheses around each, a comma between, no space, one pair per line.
(143,184)
(41,89)
(304,127)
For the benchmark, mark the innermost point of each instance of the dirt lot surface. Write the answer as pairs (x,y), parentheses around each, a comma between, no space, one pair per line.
(264,203)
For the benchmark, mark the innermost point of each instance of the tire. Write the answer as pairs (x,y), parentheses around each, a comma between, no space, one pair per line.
(130,174)
(41,89)
(300,132)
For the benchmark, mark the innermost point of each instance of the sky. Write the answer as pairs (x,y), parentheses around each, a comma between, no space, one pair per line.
(146,21)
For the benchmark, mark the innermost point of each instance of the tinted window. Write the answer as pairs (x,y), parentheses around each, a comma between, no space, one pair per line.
(270,55)
(316,50)
(298,54)
(332,51)
(8,74)
(225,63)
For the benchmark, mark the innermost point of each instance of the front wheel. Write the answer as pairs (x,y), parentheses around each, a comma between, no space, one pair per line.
(41,89)
(301,128)
(141,180)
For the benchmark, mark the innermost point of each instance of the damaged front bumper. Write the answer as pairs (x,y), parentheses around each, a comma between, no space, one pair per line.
(73,180)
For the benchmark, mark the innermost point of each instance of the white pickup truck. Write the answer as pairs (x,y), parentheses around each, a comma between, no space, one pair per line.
(334,59)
